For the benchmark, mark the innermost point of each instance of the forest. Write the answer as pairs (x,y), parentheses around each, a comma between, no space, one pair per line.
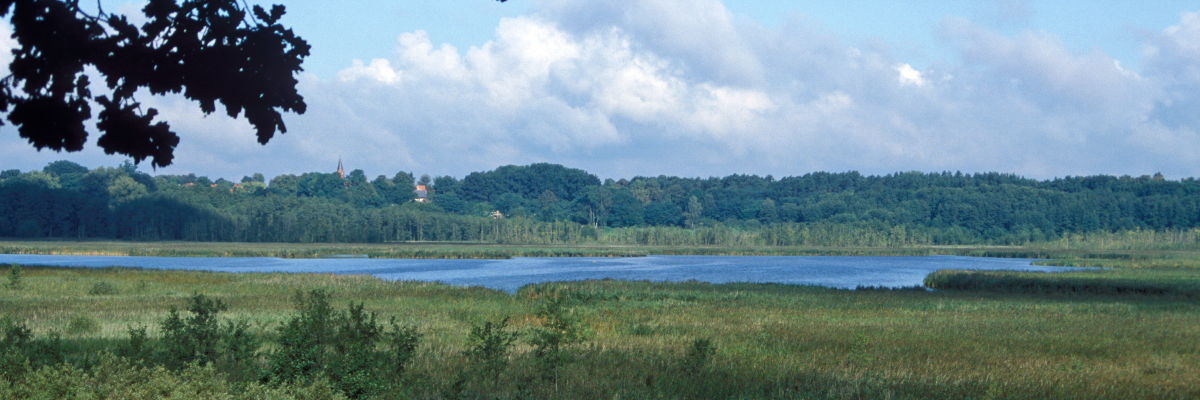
(548,203)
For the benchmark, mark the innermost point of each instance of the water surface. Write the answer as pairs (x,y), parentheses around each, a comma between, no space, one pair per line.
(508,275)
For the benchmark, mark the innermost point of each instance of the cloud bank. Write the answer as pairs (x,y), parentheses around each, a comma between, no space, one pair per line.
(682,87)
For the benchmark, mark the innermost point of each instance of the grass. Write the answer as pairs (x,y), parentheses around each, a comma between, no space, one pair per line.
(500,251)
(640,339)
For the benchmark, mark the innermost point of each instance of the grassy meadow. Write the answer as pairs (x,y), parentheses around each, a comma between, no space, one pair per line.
(992,336)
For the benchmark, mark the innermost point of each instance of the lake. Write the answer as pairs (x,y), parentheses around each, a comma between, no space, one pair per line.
(508,275)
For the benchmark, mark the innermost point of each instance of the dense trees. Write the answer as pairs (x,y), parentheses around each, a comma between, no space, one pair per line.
(526,182)
(553,204)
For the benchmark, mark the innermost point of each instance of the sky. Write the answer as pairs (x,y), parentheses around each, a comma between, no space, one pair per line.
(699,88)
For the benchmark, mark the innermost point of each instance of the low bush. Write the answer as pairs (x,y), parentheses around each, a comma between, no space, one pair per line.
(15,277)
(559,328)
(489,345)
(82,324)
(358,354)
(103,289)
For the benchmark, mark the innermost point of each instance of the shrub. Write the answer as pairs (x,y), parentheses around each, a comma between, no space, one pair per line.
(15,277)
(16,334)
(343,346)
(14,361)
(488,348)
(404,341)
(137,349)
(239,350)
(115,378)
(354,364)
(301,352)
(698,357)
(559,328)
(195,339)
(202,338)
(81,324)
(102,289)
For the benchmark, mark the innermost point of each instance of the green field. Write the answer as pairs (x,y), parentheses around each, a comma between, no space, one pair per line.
(1082,335)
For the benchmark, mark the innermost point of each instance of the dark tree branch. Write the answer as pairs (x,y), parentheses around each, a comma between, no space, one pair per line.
(209,50)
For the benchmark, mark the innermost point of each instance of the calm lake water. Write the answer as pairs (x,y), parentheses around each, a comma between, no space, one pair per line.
(508,275)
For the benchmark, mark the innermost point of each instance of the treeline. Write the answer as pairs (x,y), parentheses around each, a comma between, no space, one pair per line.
(546,203)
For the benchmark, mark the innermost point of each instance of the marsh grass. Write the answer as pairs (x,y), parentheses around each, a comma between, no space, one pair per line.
(1142,282)
(693,339)
(447,250)
(453,250)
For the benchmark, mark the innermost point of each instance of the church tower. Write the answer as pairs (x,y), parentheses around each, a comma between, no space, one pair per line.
(341,171)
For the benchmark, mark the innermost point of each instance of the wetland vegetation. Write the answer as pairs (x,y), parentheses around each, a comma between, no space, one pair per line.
(111,332)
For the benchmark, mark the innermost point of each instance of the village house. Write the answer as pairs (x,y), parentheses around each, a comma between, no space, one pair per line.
(422,194)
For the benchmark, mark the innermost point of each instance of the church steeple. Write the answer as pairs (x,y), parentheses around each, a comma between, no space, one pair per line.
(341,171)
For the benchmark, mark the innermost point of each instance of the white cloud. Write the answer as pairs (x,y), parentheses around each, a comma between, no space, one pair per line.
(537,92)
(626,87)
(1173,59)
(7,44)
(588,83)
(909,75)
(1037,65)
(379,69)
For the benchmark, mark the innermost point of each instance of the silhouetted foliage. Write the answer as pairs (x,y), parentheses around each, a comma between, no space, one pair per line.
(209,50)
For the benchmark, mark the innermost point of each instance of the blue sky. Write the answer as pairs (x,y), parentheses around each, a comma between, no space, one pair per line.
(906,26)
(710,88)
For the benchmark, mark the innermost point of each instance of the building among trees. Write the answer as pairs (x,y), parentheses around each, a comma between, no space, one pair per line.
(422,194)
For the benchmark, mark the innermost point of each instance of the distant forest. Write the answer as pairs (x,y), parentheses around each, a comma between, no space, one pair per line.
(547,203)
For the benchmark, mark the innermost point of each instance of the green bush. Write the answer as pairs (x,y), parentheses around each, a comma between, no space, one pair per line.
(489,345)
(202,338)
(354,365)
(195,339)
(343,346)
(404,341)
(137,350)
(15,277)
(103,289)
(302,340)
(116,378)
(698,357)
(14,360)
(82,324)
(559,328)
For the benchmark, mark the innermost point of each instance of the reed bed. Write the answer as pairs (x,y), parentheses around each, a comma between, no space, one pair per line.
(501,251)
(310,250)
(769,340)
(1173,282)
